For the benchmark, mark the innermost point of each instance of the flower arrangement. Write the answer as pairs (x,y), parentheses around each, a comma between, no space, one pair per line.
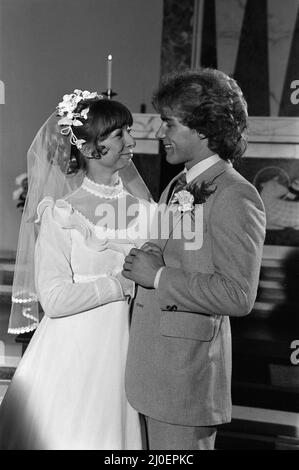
(20,193)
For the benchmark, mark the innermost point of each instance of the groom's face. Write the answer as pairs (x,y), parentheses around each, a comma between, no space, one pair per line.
(182,144)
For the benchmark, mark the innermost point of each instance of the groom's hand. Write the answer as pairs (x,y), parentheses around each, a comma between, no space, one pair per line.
(142,267)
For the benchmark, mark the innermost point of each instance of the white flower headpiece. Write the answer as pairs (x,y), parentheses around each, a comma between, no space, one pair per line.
(66,109)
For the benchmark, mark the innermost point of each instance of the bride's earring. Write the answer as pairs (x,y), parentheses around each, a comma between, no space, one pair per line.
(91,154)
(102,150)
(99,152)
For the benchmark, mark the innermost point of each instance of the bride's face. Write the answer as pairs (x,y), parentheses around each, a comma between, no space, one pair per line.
(119,145)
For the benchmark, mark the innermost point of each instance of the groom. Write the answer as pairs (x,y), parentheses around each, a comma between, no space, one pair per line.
(178,372)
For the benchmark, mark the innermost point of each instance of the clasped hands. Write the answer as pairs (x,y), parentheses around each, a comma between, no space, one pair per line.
(141,265)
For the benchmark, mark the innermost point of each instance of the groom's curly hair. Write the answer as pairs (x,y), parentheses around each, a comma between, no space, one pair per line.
(210,102)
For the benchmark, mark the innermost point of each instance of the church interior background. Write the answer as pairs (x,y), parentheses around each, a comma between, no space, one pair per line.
(255,41)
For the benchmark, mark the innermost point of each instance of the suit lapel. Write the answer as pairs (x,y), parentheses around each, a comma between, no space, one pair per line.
(165,197)
(163,203)
(209,176)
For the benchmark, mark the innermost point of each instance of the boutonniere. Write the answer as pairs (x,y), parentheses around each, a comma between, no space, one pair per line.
(184,200)
(193,194)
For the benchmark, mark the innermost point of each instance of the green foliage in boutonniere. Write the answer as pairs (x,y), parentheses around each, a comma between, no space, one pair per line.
(201,193)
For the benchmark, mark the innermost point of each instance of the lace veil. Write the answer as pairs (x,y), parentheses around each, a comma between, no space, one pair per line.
(47,165)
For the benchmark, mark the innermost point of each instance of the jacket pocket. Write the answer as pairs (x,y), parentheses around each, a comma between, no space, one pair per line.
(187,325)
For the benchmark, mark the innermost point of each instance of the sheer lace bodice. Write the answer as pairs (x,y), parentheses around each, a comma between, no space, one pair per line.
(84,238)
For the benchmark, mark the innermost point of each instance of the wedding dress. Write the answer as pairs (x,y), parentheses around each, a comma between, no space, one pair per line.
(68,390)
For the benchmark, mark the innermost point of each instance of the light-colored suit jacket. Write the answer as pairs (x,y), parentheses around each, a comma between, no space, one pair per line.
(179,358)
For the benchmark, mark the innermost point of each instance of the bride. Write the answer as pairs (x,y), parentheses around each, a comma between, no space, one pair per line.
(86,208)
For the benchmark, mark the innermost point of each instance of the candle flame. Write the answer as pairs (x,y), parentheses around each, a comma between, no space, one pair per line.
(109,57)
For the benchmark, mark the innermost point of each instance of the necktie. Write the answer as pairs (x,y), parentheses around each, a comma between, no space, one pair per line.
(177,186)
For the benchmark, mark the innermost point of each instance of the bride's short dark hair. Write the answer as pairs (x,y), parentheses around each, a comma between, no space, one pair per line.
(104,116)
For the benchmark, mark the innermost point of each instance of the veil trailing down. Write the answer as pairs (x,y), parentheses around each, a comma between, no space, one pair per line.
(68,390)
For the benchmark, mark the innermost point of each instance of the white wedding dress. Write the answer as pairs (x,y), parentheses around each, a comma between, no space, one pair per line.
(68,390)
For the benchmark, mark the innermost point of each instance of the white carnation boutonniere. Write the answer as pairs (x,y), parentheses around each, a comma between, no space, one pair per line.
(184,200)
(192,194)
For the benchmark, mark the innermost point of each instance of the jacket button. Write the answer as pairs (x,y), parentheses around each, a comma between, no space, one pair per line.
(171,308)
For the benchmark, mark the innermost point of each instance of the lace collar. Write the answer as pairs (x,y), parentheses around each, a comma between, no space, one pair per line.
(103,190)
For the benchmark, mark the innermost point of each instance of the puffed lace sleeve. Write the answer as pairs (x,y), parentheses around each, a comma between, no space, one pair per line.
(58,294)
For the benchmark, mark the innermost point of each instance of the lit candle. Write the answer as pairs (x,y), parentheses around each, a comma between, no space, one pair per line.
(109,72)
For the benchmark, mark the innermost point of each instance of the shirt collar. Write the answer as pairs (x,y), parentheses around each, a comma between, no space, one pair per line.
(200,167)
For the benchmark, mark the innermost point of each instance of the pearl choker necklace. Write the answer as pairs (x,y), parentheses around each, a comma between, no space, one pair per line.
(103,190)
